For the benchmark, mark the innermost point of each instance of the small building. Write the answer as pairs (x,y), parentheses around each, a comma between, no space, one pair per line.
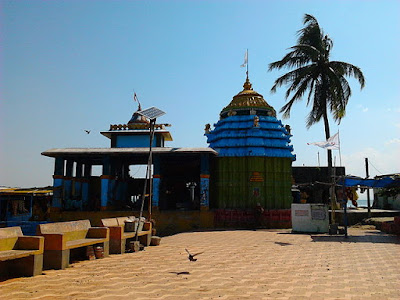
(389,196)
(180,175)
(25,207)
(313,183)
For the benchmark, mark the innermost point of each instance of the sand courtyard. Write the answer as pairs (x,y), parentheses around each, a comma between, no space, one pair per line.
(235,264)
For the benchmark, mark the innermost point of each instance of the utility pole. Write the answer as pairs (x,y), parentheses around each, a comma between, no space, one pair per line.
(368,198)
(152,114)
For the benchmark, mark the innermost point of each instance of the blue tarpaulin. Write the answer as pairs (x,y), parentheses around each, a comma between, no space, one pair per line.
(372,183)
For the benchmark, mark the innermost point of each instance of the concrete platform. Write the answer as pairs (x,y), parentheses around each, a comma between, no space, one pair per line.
(355,216)
(237,264)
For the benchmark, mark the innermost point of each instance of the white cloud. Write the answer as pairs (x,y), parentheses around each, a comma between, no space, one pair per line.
(362,108)
(381,161)
(393,141)
(396,109)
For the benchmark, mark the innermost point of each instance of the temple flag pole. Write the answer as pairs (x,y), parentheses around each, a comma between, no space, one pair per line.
(247,64)
(136,99)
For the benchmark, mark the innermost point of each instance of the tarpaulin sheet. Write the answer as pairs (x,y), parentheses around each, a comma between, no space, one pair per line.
(373,183)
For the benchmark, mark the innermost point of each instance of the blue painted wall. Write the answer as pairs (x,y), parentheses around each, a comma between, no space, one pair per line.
(128,141)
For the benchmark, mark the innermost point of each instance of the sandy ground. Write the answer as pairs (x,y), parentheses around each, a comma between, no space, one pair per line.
(241,264)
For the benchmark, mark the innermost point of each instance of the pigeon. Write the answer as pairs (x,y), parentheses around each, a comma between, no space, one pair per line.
(181,273)
(87,131)
(191,256)
(283,244)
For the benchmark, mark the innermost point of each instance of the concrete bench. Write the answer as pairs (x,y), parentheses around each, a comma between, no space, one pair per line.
(60,238)
(118,235)
(20,255)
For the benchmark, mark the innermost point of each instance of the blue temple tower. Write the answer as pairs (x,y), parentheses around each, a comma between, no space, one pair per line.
(254,159)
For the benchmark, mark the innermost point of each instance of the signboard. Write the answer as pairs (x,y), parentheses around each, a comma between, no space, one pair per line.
(318,213)
(256,177)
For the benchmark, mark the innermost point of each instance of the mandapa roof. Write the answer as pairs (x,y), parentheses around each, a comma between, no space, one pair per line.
(122,151)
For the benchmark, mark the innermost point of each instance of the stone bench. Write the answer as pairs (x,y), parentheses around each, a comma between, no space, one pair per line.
(60,238)
(118,235)
(20,255)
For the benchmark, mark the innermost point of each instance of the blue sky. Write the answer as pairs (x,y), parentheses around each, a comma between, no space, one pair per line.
(67,66)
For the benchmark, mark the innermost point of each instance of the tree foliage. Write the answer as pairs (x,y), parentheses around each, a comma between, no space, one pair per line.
(314,76)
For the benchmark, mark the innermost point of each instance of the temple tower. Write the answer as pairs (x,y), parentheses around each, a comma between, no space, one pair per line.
(254,156)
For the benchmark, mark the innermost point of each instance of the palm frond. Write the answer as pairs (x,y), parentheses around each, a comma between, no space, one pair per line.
(350,71)
(292,77)
(306,52)
(286,109)
(318,108)
(311,33)
(311,93)
(301,88)
(299,56)
(327,45)
(300,77)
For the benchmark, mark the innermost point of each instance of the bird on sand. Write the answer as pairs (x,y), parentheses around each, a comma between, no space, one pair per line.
(191,256)
(283,244)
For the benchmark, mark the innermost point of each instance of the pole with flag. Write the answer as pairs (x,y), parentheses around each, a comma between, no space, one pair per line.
(333,143)
(135,98)
(246,62)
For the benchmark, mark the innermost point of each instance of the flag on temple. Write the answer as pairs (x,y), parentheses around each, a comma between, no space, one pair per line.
(245,60)
(332,143)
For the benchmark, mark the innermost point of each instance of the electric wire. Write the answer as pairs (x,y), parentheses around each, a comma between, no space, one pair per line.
(369,161)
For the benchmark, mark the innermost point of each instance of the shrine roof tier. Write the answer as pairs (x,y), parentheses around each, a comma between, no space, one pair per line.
(248,102)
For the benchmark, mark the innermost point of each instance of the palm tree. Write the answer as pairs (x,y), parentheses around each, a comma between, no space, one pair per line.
(324,80)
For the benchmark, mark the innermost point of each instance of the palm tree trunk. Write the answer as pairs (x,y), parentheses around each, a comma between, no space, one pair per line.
(327,136)
(330,173)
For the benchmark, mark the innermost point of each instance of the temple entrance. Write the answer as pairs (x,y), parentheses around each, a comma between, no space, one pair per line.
(180,183)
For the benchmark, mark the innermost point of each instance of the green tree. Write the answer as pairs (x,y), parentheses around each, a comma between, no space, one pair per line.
(314,76)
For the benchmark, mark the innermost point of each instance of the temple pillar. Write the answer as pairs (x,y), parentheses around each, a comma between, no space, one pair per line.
(87,173)
(156,182)
(204,182)
(120,180)
(58,184)
(68,184)
(112,184)
(105,184)
(125,189)
(78,184)
(156,191)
